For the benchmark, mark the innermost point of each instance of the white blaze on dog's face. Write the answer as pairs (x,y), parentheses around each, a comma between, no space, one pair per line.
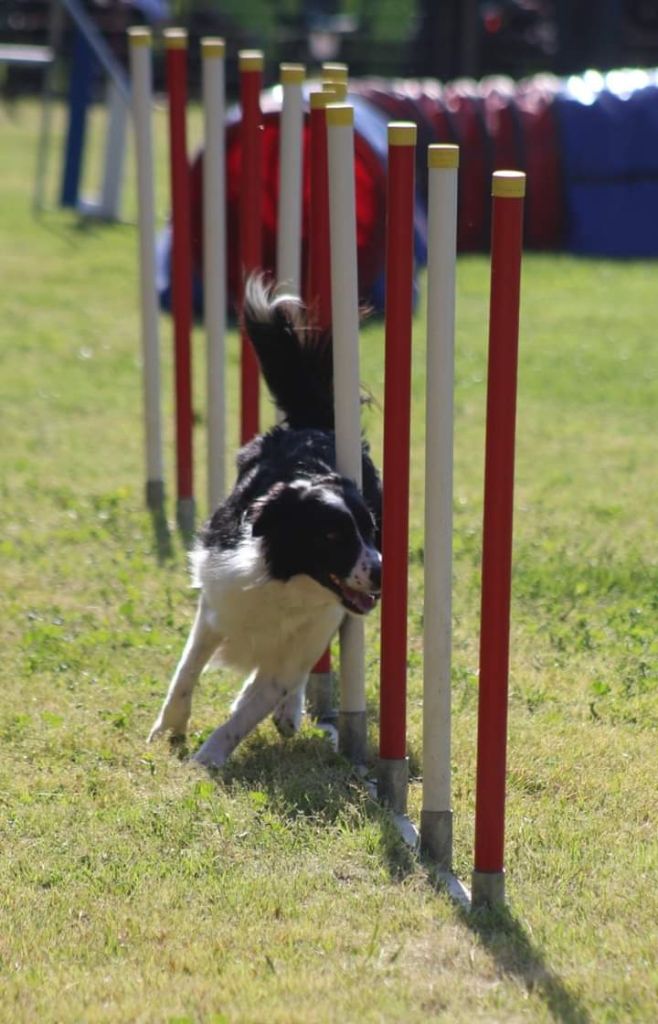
(324,531)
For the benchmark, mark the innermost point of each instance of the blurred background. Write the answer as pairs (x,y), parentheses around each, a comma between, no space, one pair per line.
(526,84)
(443,39)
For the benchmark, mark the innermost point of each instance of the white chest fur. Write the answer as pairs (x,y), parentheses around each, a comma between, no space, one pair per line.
(279,628)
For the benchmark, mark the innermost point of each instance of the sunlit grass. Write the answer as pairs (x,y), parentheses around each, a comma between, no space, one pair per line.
(132,889)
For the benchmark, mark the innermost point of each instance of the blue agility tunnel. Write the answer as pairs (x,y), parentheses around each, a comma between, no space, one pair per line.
(608,129)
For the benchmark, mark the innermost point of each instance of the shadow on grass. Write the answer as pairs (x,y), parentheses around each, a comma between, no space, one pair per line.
(508,943)
(161,535)
(305,778)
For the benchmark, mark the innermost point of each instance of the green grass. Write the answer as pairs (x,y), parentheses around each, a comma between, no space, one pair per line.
(132,889)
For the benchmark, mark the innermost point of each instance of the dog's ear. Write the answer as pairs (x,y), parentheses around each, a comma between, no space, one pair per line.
(273,507)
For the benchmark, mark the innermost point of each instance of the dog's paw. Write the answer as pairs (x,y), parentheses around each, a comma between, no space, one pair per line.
(288,715)
(171,720)
(156,730)
(209,757)
(287,725)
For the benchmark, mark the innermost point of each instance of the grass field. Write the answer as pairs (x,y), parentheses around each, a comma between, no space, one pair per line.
(132,889)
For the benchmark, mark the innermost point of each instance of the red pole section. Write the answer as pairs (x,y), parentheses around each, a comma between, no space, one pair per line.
(318,298)
(508,190)
(176,74)
(397,407)
(251,236)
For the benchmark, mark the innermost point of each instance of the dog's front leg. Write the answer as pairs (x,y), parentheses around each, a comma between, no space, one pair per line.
(203,641)
(258,698)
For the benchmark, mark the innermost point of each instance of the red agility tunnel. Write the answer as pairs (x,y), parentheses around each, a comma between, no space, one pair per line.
(545,221)
(495,122)
(370,200)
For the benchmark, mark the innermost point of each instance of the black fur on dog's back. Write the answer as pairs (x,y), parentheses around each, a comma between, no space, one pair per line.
(297,364)
(295,357)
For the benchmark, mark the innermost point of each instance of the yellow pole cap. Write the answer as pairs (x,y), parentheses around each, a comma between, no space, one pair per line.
(402,133)
(321,100)
(442,154)
(508,184)
(213,46)
(340,114)
(332,72)
(175,38)
(336,89)
(139,36)
(292,74)
(250,60)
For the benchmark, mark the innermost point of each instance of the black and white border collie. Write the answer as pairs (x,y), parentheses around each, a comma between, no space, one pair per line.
(292,550)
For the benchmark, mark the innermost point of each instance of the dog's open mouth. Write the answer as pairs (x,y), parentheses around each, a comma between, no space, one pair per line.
(360,602)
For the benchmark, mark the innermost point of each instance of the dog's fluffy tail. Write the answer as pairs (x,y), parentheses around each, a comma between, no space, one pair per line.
(295,358)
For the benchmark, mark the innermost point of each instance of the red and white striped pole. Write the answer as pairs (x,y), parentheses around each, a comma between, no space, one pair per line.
(176,73)
(400,201)
(250,63)
(508,190)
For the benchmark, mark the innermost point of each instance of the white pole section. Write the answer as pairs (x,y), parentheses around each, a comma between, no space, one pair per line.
(115,150)
(436,816)
(141,76)
(347,400)
(344,289)
(289,236)
(214,261)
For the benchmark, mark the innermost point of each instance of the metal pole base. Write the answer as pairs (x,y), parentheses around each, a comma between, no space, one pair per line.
(353,735)
(155,494)
(320,702)
(185,516)
(487,889)
(393,783)
(436,837)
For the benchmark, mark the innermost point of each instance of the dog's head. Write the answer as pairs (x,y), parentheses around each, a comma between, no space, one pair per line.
(323,530)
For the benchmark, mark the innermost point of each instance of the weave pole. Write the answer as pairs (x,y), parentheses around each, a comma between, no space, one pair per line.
(318,297)
(508,190)
(400,201)
(214,260)
(142,101)
(319,302)
(250,64)
(176,72)
(109,203)
(347,404)
(436,813)
(289,233)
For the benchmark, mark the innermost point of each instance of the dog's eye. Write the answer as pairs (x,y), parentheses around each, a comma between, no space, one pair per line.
(332,536)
